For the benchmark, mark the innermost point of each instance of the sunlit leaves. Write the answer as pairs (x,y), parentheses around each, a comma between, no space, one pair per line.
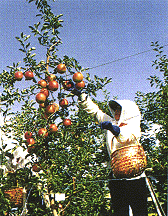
(75,152)
(154,108)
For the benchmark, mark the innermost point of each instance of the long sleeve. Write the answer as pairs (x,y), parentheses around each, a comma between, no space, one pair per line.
(92,108)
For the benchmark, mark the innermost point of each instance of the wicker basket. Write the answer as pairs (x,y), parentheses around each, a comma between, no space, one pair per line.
(128,162)
(15,195)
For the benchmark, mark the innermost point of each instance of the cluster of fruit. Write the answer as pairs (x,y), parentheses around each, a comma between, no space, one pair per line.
(28,75)
(50,84)
(48,108)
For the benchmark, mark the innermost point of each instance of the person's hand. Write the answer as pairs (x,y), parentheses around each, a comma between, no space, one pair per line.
(108,126)
(72,88)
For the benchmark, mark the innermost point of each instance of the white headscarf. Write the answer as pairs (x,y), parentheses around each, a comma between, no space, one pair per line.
(129,123)
(129,111)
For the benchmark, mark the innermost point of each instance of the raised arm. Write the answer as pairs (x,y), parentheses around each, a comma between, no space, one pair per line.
(92,108)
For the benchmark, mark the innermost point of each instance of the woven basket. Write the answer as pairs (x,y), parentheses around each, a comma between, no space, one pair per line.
(128,162)
(15,195)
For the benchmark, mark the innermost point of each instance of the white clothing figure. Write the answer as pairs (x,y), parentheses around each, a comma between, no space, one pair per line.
(123,132)
(128,121)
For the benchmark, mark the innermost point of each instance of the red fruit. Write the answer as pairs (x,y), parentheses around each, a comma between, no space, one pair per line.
(30,141)
(28,134)
(66,122)
(42,83)
(77,77)
(80,85)
(67,84)
(43,132)
(53,128)
(53,85)
(56,106)
(51,77)
(36,167)
(50,109)
(61,68)
(29,75)
(45,91)
(18,75)
(63,103)
(41,98)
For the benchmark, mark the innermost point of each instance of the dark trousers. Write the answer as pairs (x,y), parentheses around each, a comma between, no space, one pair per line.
(129,192)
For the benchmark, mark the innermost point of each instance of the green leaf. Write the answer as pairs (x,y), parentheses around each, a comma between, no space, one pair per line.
(22,35)
(18,38)
(22,50)
(27,45)
(33,55)
(27,37)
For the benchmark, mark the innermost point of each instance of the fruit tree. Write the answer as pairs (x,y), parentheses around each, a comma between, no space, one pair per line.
(42,113)
(154,107)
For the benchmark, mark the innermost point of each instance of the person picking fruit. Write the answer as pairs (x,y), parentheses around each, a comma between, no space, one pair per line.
(126,155)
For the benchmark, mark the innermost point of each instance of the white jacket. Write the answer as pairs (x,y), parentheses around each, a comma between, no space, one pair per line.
(129,122)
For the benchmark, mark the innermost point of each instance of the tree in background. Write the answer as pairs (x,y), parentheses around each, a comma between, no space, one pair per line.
(154,108)
(44,118)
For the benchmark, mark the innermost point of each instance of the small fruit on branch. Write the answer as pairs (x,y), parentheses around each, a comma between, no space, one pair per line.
(18,75)
(51,77)
(42,83)
(56,106)
(80,85)
(52,108)
(61,68)
(36,167)
(29,75)
(45,91)
(77,77)
(67,122)
(53,85)
(67,84)
(63,103)
(53,128)
(28,134)
(30,141)
(43,132)
(41,98)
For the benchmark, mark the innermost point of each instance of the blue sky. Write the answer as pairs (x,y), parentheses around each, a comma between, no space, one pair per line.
(96,32)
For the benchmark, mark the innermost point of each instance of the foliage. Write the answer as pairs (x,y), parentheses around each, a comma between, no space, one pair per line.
(154,108)
(73,159)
